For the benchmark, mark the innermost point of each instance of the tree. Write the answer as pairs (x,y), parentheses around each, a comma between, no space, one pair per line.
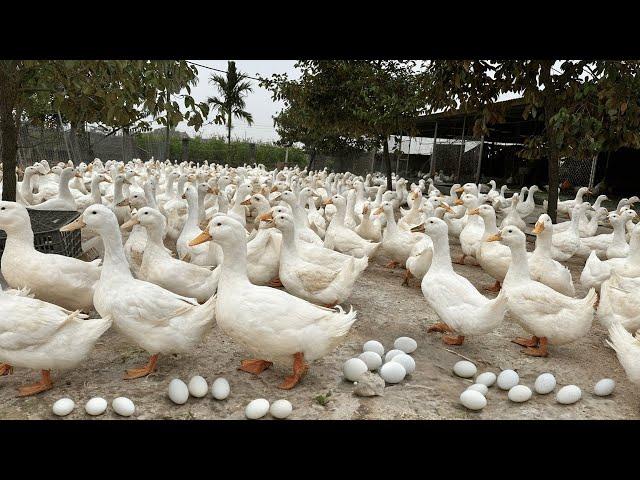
(586,106)
(356,102)
(112,93)
(232,89)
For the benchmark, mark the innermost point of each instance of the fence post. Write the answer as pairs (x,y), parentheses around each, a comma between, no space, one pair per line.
(480,159)
(592,174)
(464,124)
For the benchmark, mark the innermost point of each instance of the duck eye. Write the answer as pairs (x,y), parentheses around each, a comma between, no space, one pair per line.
(94,212)
(218,224)
(3,208)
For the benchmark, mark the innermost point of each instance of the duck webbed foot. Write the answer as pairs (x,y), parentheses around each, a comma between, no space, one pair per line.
(5,369)
(453,339)
(143,371)
(439,327)
(461,260)
(496,287)
(526,342)
(275,283)
(254,366)
(539,351)
(407,276)
(299,370)
(42,386)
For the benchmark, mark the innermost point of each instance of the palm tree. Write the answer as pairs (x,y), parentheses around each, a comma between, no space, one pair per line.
(232,89)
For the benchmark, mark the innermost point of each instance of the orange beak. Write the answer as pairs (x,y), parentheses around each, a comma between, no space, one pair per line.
(75,225)
(539,228)
(328,201)
(202,238)
(475,211)
(458,202)
(459,190)
(494,238)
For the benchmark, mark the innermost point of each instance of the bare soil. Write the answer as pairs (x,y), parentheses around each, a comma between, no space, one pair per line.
(386,310)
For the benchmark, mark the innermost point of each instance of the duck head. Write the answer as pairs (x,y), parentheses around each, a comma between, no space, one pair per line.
(544,223)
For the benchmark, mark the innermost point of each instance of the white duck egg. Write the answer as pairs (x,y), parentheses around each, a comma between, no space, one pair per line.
(178,391)
(604,387)
(544,384)
(464,369)
(220,389)
(569,394)
(392,353)
(198,386)
(96,406)
(479,387)
(63,407)
(257,408)
(123,406)
(406,361)
(281,409)
(486,378)
(507,379)
(373,346)
(406,344)
(473,400)
(393,372)
(372,359)
(519,393)
(354,368)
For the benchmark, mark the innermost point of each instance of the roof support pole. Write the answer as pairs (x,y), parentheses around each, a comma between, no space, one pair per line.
(464,124)
(432,168)
(480,159)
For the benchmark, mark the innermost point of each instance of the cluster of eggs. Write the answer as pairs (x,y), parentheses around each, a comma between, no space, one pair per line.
(95,406)
(259,407)
(179,391)
(397,364)
(474,397)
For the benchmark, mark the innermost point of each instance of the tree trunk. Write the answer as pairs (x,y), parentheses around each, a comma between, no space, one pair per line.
(387,162)
(312,158)
(554,180)
(9,127)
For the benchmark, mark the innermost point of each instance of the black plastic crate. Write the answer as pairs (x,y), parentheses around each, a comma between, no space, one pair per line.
(47,237)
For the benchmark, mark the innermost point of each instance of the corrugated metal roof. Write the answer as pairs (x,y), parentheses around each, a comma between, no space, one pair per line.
(424,145)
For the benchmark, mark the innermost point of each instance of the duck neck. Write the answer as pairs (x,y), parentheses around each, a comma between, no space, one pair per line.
(392,226)
(543,243)
(115,261)
(289,241)
(20,237)
(95,190)
(339,216)
(201,209)
(519,266)
(234,262)
(312,205)
(619,233)
(490,227)
(192,213)
(441,254)
(64,191)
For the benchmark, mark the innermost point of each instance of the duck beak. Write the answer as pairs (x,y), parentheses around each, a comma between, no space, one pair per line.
(378,211)
(127,225)
(365,209)
(495,238)
(418,228)
(459,190)
(124,203)
(274,189)
(202,238)
(75,225)
(268,219)
(213,191)
(475,211)
(539,228)
(458,202)
(108,179)
(328,201)
(246,201)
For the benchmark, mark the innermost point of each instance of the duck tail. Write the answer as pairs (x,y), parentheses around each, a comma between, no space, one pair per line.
(344,322)
(591,297)
(627,350)
(371,249)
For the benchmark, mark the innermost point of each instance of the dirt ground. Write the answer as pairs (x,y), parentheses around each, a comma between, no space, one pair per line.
(386,310)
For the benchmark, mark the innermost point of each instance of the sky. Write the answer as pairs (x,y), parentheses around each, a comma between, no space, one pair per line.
(258,102)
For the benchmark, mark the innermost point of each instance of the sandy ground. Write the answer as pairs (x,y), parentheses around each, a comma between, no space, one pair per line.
(386,310)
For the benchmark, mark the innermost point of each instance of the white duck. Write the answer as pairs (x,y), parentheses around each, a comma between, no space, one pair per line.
(588,227)
(512,217)
(527,207)
(369,229)
(551,317)
(566,244)
(316,283)
(43,336)
(198,254)
(542,267)
(463,310)
(340,238)
(65,281)
(153,318)
(270,323)
(627,350)
(493,257)
(159,267)
(64,201)
(396,243)
(471,234)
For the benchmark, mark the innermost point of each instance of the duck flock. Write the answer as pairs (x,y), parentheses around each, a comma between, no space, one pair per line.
(270,256)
